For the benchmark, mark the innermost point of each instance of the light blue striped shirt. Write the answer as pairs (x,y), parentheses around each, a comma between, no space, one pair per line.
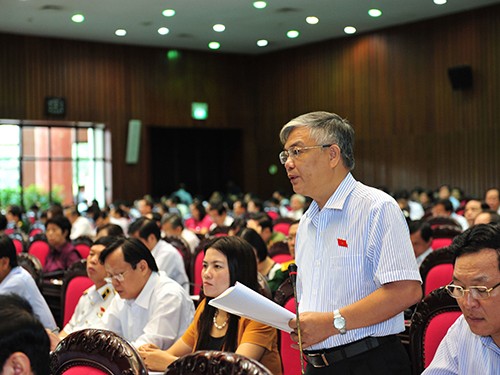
(346,251)
(462,352)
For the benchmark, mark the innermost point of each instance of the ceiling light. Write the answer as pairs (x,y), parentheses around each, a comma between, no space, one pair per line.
(312,20)
(440,2)
(349,30)
(168,12)
(214,45)
(173,54)
(375,12)
(292,34)
(77,18)
(163,30)
(262,43)
(259,4)
(120,32)
(219,28)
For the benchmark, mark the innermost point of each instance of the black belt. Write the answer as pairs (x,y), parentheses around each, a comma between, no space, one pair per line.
(326,357)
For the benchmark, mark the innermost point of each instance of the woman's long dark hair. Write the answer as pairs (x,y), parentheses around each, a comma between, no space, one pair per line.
(243,268)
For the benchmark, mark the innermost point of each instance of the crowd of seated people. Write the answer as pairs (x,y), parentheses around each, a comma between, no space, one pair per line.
(140,285)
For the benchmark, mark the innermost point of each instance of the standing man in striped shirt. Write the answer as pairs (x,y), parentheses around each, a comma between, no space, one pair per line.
(472,344)
(356,268)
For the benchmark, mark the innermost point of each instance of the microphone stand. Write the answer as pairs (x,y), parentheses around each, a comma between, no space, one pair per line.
(292,274)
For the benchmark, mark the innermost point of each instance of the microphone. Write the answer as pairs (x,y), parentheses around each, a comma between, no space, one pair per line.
(292,274)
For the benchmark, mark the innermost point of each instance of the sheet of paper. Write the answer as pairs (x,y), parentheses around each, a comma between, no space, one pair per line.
(243,301)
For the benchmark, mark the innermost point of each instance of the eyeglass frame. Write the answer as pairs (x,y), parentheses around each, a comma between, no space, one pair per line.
(476,288)
(118,277)
(285,154)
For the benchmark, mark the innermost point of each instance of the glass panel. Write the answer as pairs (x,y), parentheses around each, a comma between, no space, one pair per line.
(35,142)
(108,187)
(61,141)
(9,141)
(62,173)
(84,176)
(107,145)
(99,143)
(36,183)
(99,183)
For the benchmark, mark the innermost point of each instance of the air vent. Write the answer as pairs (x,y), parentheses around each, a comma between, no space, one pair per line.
(52,7)
(287,10)
(184,35)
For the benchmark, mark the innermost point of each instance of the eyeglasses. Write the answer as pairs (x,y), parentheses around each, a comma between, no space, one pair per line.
(294,152)
(118,277)
(476,292)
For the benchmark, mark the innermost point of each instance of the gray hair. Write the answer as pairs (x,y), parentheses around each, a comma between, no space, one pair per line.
(325,128)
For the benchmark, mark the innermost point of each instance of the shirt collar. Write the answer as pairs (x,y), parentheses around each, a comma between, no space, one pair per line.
(144,296)
(338,198)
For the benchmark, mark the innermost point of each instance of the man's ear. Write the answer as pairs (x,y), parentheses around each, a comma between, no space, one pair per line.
(17,364)
(334,154)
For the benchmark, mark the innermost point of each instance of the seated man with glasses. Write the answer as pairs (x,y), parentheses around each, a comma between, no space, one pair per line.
(151,308)
(472,344)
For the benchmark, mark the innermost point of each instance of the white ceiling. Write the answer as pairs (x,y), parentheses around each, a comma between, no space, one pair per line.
(191,27)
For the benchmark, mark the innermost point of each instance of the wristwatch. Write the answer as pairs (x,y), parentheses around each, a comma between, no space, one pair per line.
(339,322)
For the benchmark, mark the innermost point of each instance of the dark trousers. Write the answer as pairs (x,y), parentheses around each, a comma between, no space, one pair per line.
(390,358)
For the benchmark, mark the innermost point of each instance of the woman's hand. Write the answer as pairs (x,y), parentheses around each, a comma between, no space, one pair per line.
(155,359)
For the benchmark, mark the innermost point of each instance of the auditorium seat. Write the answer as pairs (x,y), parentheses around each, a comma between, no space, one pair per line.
(437,269)
(75,282)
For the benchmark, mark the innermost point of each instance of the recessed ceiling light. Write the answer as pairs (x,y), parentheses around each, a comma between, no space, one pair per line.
(262,43)
(120,32)
(259,4)
(163,30)
(440,2)
(292,34)
(168,12)
(78,18)
(219,28)
(312,20)
(375,12)
(349,30)
(214,45)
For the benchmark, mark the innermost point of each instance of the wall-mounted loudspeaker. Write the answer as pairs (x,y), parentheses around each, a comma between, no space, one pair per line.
(460,77)
(133,141)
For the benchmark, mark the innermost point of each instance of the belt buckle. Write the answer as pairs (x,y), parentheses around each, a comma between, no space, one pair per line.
(318,355)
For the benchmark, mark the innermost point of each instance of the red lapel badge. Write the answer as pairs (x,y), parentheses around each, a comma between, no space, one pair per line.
(342,242)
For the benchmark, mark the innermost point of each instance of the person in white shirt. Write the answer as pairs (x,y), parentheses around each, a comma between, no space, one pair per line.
(167,257)
(173,225)
(14,279)
(472,344)
(80,226)
(151,307)
(421,239)
(492,199)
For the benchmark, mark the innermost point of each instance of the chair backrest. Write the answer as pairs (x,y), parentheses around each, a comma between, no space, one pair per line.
(40,249)
(439,243)
(183,247)
(74,284)
(282,228)
(96,349)
(196,274)
(209,362)
(83,249)
(282,258)
(31,264)
(441,258)
(290,358)
(438,276)
(17,239)
(429,324)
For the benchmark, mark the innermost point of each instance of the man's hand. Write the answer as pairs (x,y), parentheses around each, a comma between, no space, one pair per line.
(314,326)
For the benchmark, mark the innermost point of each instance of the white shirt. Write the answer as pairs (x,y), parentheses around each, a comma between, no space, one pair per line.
(159,315)
(461,352)
(191,238)
(81,227)
(20,282)
(349,249)
(90,308)
(169,260)
(424,255)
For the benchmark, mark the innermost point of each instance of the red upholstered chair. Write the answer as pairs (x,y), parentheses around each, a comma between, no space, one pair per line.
(437,269)
(282,258)
(196,274)
(82,245)
(438,276)
(290,358)
(74,284)
(40,249)
(439,243)
(431,320)
(444,229)
(183,247)
(209,362)
(95,351)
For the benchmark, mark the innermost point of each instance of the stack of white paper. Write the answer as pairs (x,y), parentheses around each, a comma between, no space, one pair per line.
(243,301)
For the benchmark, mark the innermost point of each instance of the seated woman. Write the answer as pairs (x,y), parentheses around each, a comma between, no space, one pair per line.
(62,252)
(200,221)
(227,260)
